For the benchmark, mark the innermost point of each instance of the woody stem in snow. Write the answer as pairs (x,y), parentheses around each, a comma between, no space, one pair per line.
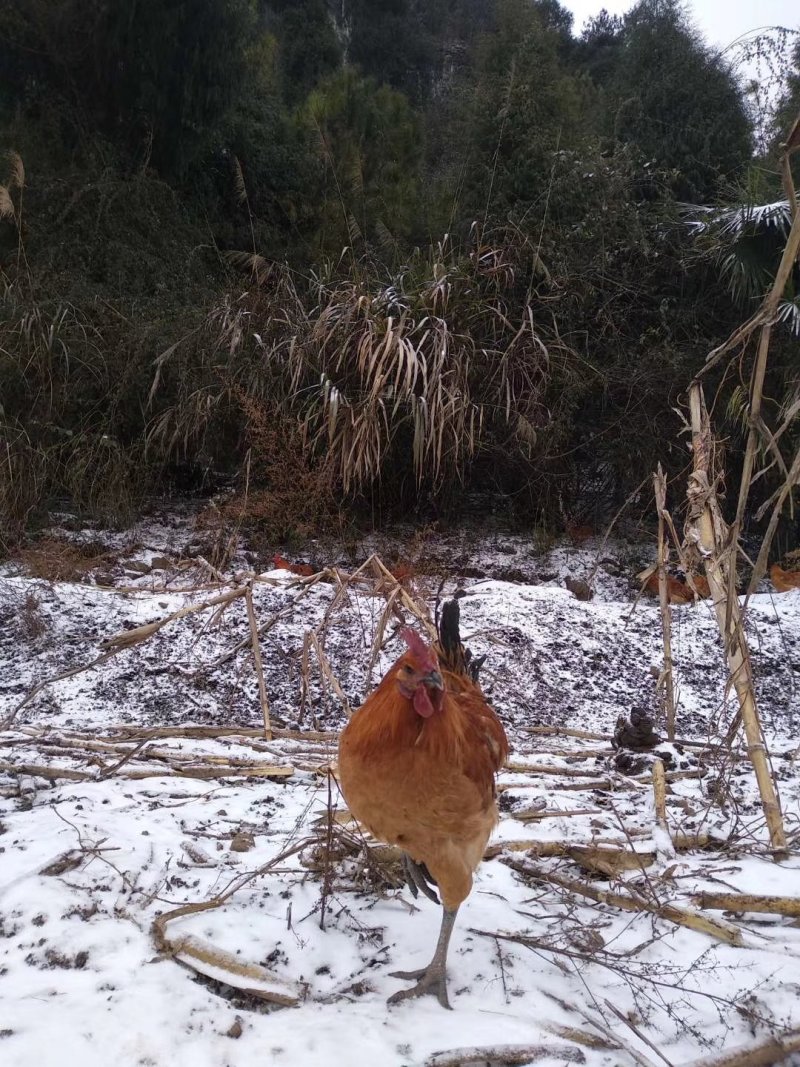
(660,488)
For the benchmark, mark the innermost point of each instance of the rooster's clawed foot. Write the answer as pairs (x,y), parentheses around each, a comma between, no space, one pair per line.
(430,980)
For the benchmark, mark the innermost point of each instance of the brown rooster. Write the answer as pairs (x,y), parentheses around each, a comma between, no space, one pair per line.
(416,765)
(305,570)
(783,580)
(678,589)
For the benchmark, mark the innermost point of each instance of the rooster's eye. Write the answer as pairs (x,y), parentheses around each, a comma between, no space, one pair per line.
(408,669)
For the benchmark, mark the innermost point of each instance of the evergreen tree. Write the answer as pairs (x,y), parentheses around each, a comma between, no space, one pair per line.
(309,48)
(370,151)
(524,106)
(153,77)
(788,108)
(677,101)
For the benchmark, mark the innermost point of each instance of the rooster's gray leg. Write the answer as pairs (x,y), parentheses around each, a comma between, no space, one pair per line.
(418,877)
(433,978)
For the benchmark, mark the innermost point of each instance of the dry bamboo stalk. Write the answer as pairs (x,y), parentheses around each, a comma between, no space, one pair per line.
(665,846)
(775,1050)
(660,489)
(536,848)
(600,783)
(749,902)
(609,861)
(720,931)
(708,529)
(326,671)
(756,393)
(262,686)
(540,849)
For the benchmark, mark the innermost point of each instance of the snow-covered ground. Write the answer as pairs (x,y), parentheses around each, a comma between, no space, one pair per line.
(145,824)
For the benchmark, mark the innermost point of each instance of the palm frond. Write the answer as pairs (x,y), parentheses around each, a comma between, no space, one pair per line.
(739,219)
(789,312)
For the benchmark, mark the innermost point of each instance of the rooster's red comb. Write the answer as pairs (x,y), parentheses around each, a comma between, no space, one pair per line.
(424,653)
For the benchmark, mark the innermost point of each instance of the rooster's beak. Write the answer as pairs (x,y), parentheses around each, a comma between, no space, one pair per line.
(434,679)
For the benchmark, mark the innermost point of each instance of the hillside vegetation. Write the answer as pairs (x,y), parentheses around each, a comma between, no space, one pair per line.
(368,257)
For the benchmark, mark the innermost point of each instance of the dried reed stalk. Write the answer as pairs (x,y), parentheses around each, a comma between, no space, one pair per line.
(127,638)
(542,768)
(588,735)
(580,1037)
(720,931)
(660,795)
(209,960)
(262,685)
(631,861)
(312,640)
(706,527)
(44,771)
(565,731)
(535,814)
(749,902)
(202,771)
(660,489)
(764,318)
(34,692)
(771,1052)
(220,731)
(508,1055)
(637,782)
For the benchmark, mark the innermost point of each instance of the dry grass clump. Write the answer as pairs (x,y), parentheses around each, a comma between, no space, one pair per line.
(54,559)
(397,384)
(286,489)
(38,464)
(23,476)
(31,621)
(81,319)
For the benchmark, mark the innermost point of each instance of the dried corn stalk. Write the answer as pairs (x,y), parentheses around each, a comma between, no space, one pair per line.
(707,530)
